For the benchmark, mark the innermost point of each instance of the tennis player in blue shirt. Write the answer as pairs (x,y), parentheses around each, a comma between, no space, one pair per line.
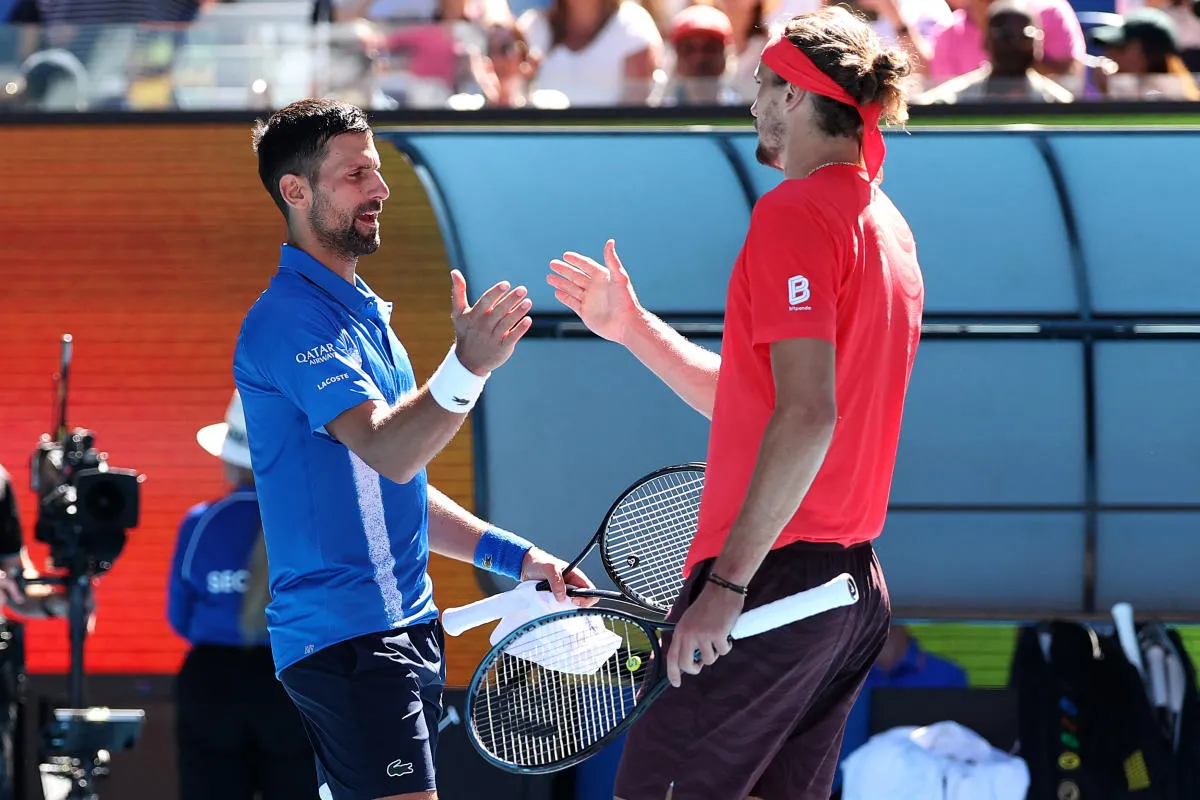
(340,434)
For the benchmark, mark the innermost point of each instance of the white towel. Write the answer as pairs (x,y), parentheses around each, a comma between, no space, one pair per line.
(943,761)
(581,643)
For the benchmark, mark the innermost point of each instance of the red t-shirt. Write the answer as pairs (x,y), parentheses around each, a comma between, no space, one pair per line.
(827,257)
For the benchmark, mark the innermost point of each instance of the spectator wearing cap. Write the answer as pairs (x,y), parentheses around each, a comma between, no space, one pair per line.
(237,733)
(1185,15)
(1145,50)
(1013,45)
(959,47)
(702,43)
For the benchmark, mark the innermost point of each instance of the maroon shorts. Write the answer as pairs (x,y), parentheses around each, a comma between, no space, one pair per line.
(765,720)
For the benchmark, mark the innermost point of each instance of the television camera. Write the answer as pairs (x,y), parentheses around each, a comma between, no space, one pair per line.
(85,509)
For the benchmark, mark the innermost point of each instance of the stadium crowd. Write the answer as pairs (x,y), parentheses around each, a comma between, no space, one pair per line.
(470,54)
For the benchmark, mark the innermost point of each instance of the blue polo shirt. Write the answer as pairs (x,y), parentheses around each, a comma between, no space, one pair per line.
(348,548)
(210,568)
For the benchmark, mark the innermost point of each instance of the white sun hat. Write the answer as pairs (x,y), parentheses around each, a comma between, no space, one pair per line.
(227,440)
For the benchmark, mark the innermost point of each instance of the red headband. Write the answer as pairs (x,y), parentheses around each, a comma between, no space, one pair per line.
(791,64)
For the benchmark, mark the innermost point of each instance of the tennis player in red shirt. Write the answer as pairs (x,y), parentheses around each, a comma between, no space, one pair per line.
(822,320)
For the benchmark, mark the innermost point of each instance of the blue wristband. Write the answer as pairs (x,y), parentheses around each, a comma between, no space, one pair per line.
(501,552)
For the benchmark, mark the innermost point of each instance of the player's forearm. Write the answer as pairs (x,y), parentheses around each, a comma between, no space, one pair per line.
(456,533)
(792,451)
(689,369)
(453,531)
(407,436)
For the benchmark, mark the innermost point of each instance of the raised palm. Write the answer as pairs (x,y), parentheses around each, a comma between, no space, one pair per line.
(602,296)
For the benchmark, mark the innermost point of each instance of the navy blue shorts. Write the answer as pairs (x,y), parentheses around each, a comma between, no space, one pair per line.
(370,706)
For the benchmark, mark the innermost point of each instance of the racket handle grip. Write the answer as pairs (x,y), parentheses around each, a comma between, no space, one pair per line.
(1156,665)
(1122,614)
(841,591)
(457,620)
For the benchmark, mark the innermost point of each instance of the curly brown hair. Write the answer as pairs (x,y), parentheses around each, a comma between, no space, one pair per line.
(844,47)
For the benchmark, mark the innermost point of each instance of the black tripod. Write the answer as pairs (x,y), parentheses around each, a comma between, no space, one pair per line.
(77,739)
(85,509)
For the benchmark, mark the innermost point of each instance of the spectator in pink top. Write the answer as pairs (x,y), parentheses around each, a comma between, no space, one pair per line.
(958,47)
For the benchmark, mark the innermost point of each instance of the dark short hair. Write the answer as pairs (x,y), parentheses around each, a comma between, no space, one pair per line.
(843,46)
(292,141)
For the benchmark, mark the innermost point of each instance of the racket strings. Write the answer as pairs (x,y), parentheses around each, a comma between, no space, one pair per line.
(659,549)
(649,534)
(665,516)
(551,703)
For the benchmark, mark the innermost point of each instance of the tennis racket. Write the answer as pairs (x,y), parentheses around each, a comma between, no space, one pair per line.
(643,540)
(560,688)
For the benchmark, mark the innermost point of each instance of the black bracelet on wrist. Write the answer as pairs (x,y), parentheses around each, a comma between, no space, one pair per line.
(724,584)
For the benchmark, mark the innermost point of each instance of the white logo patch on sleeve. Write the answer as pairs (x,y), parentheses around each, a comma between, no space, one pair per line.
(798,293)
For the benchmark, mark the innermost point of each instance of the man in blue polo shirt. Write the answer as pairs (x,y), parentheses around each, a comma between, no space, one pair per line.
(340,434)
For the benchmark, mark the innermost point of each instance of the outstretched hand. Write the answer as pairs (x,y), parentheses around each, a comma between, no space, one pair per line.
(601,295)
(486,333)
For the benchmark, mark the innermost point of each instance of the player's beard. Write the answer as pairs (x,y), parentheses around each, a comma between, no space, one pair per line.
(339,231)
(770,142)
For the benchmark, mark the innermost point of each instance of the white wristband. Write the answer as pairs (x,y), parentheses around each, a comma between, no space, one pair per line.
(454,387)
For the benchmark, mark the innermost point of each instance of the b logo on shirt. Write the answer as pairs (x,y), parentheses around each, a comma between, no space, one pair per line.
(798,291)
